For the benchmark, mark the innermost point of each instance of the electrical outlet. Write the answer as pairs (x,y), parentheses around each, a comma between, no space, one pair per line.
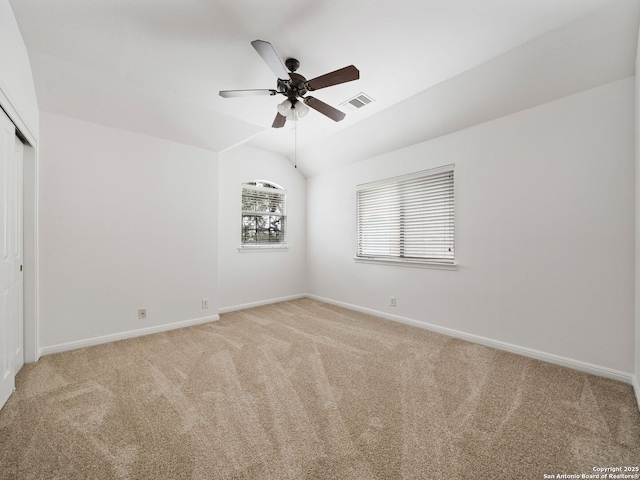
(142,313)
(392,301)
(205,303)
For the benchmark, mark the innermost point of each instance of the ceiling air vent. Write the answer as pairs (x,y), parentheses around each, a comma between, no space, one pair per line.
(359,101)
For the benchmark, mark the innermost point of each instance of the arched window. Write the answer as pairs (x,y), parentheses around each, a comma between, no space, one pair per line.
(263,214)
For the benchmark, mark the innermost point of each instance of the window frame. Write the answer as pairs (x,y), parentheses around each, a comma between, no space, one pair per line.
(272,189)
(401,206)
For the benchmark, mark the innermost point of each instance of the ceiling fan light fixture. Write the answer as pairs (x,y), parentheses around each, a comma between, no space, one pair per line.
(301,109)
(284,108)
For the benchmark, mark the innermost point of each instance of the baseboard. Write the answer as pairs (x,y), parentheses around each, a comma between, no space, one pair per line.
(261,303)
(524,351)
(89,342)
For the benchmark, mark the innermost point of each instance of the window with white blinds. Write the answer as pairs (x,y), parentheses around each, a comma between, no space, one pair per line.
(263,214)
(408,218)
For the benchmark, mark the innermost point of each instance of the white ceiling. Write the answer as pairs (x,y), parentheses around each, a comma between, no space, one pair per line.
(432,66)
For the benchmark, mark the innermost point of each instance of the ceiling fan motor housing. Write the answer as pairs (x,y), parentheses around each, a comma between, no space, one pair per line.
(295,87)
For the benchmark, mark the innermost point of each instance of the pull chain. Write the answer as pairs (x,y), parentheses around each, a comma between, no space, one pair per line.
(295,142)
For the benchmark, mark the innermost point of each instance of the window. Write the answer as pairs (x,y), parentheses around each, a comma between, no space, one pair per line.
(263,215)
(408,218)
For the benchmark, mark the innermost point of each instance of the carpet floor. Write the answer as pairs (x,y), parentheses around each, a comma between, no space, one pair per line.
(306,390)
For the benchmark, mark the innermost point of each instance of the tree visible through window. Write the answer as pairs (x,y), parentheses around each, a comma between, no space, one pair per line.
(263,214)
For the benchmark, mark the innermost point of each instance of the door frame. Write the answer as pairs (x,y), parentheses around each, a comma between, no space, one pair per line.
(30,228)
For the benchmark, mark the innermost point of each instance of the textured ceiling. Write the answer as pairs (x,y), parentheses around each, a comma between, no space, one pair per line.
(432,66)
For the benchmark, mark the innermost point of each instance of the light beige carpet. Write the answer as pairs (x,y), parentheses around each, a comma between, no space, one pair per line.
(306,390)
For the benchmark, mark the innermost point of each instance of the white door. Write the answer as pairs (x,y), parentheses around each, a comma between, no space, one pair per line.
(7,274)
(18,214)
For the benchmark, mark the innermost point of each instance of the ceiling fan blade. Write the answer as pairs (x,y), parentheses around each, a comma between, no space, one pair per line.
(325,109)
(279,121)
(246,93)
(346,74)
(271,58)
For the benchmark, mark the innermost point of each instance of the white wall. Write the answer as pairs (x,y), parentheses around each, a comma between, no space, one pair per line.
(544,232)
(16,80)
(128,221)
(257,277)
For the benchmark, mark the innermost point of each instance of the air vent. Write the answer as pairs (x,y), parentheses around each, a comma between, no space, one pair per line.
(357,102)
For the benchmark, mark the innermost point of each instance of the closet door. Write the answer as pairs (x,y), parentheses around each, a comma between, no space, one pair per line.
(7,272)
(18,256)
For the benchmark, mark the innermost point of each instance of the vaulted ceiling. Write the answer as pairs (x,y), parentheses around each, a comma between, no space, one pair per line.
(432,66)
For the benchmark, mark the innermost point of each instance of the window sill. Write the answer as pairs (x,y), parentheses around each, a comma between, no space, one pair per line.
(407,263)
(263,248)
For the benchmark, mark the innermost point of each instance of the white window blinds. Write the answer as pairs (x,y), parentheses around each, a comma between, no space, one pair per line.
(263,214)
(408,218)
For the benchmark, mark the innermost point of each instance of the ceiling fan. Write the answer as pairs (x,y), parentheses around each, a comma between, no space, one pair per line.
(294,86)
